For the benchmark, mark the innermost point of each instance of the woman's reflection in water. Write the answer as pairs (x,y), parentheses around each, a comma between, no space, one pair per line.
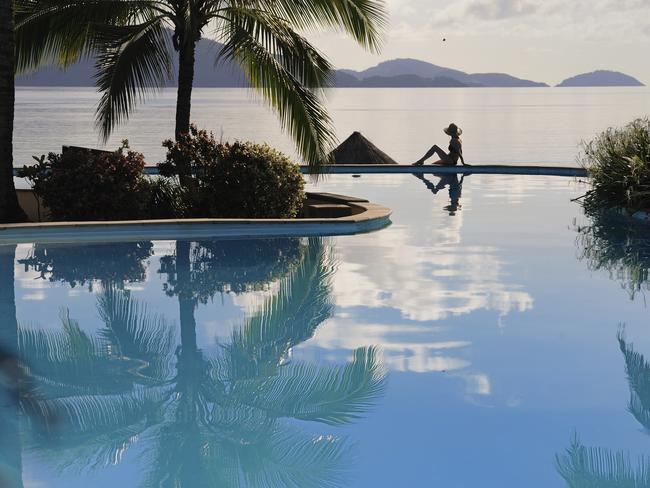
(451,181)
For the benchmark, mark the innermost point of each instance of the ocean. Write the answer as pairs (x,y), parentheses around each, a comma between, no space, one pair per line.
(500,125)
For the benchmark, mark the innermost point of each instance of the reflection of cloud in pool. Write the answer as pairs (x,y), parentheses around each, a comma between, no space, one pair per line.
(429,282)
(403,346)
(477,384)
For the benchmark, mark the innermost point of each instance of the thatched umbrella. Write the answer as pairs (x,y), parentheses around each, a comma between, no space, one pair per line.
(356,149)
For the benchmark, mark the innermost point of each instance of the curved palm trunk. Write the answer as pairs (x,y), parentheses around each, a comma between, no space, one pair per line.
(10,444)
(10,211)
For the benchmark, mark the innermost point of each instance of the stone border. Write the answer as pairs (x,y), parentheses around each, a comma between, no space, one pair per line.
(367,217)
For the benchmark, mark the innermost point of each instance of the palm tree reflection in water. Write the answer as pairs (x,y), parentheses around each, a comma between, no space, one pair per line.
(221,420)
(593,467)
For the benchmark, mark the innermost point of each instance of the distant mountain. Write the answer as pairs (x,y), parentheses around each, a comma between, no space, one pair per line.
(344,80)
(400,67)
(409,81)
(224,74)
(601,78)
(395,73)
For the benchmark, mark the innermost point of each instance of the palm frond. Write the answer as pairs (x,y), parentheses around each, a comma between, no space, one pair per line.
(88,416)
(638,376)
(293,459)
(363,20)
(282,66)
(133,60)
(61,31)
(333,395)
(68,361)
(135,333)
(286,319)
(591,467)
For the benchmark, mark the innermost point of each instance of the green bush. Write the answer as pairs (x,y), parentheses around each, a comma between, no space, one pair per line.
(81,184)
(238,180)
(618,161)
(165,198)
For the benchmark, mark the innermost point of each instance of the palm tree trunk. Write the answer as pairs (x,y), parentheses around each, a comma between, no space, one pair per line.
(10,444)
(184,101)
(185,298)
(10,211)
(189,360)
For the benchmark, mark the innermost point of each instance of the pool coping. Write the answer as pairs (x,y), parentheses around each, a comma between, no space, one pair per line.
(370,217)
(494,169)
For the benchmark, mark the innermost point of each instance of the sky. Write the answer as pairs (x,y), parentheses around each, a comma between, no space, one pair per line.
(542,40)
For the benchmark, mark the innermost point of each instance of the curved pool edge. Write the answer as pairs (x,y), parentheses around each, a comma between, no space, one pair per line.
(372,217)
(490,169)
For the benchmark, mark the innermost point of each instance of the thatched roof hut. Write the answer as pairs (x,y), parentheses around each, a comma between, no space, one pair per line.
(356,149)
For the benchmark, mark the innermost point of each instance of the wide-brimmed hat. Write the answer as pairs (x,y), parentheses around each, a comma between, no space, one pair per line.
(453,130)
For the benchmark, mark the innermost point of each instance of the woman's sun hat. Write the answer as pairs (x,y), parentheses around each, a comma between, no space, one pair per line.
(453,130)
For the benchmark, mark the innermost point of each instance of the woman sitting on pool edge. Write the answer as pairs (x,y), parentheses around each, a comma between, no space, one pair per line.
(455,149)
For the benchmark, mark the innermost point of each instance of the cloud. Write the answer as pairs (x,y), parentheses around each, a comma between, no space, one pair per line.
(501,9)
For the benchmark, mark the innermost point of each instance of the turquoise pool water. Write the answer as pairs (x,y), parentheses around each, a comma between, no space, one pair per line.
(492,336)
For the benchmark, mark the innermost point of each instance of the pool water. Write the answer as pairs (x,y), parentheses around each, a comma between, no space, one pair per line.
(492,336)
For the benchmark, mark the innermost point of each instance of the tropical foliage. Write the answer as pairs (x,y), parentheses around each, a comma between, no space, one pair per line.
(615,243)
(134,40)
(204,268)
(113,264)
(81,184)
(224,419)
(594,467)
(618,161)
(242,179)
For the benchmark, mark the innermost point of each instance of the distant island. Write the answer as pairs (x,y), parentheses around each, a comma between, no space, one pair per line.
(601,78)
(397,73)
(422,74)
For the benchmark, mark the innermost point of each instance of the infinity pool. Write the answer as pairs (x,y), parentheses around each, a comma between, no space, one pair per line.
(492,336)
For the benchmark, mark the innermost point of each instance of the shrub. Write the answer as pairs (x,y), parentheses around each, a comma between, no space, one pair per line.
(81,184)
(165,198)
(241,179)
(618,161)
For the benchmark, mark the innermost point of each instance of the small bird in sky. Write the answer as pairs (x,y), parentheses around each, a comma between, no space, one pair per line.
(444,39)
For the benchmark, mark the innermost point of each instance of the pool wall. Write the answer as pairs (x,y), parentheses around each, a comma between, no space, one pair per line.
(364,216)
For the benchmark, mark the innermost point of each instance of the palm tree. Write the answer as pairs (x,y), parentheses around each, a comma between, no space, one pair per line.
(209,421)
(10,444)
(595,467)
(10,211)
(133,40)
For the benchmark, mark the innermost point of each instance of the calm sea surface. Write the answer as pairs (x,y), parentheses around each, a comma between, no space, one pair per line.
(510,126)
